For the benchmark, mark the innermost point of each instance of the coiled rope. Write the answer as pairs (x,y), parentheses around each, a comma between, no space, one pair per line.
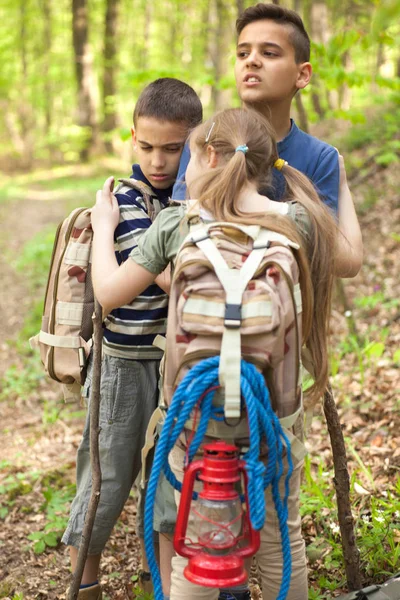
(200,384)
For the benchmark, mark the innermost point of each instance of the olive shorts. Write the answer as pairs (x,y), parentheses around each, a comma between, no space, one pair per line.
(128,397)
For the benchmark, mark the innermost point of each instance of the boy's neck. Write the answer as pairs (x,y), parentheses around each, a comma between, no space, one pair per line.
(279,116)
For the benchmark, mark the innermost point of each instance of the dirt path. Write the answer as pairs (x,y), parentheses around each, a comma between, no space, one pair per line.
(28,443)
(19,223)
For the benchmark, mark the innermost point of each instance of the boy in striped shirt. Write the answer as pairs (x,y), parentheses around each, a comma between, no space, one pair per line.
(165,112)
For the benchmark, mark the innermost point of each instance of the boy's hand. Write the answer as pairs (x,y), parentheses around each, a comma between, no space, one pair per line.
(105,213)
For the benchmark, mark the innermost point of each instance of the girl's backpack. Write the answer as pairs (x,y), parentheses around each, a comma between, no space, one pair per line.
(64,340)
(235,293)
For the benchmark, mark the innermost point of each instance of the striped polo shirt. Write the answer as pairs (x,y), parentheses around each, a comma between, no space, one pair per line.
(129,331)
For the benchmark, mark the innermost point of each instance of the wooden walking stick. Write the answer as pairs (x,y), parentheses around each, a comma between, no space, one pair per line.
(94,454)
(341,480)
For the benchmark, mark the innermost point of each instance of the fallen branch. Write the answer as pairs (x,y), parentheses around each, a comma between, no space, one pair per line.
(94,455)
(341,480)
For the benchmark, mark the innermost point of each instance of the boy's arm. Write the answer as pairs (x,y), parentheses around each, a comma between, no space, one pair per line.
(350,246)
(113,285)
(331,182)
(133,222)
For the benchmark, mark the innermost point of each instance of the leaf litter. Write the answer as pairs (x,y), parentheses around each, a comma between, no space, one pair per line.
(366,384)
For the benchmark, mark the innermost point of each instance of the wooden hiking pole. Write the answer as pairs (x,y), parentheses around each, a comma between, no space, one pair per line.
(94,454)
(341,480)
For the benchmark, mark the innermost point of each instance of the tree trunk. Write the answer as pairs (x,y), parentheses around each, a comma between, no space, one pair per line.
(94,454)
(86,106)
(342,485)
(297,5)
(24,107)
(219,49)
(47,46)
(345,90)
(110,121)
(318,18)
(146,34)
(240,6)
(301,112)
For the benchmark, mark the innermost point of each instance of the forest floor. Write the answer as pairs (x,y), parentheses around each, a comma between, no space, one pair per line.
(40,435)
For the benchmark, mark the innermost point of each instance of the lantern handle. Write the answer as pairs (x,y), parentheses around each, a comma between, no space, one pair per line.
(254,536)
(183,515)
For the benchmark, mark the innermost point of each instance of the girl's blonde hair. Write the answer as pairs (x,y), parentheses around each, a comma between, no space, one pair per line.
(220,189)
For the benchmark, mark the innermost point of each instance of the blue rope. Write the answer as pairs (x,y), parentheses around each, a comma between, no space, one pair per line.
(263,424)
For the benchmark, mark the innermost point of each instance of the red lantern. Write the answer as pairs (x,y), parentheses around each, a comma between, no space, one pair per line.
(222,526)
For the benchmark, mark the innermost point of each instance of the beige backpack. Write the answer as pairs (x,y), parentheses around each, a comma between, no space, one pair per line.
(235,292)
(64,340)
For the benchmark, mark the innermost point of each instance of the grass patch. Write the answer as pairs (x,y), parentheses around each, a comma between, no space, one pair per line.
(34,260)
(56,506)
(57,492)
(377,518)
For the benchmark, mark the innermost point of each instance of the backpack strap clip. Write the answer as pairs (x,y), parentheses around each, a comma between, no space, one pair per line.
(233,316)
(199,236)
(259,244)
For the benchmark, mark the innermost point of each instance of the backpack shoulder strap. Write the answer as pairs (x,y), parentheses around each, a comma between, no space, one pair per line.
(153,205)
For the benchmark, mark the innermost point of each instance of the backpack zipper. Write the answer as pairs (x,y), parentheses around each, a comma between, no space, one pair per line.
(52,374)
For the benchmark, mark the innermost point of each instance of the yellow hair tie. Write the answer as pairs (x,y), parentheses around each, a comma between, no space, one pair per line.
(280,163)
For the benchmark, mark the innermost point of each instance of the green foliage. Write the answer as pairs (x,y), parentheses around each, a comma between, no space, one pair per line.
(139,594)
(193,41)
(372,347)
(19,382)
(34,259)
(13,486)
(377,517)
(56,506)
(378,531)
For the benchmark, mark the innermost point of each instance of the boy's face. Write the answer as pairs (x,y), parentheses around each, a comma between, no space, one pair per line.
(265,70)
(159,145)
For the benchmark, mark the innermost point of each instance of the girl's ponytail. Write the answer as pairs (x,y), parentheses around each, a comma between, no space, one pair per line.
(244,141)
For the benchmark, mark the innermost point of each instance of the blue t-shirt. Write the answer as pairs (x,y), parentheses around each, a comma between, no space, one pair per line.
(316,159)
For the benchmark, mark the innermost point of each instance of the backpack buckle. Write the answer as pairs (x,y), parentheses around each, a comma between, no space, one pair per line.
(259,244)
(233,316)
(199,236)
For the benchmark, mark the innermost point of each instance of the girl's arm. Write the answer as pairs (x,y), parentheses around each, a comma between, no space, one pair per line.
(349,251)
(163,280)
(113,285)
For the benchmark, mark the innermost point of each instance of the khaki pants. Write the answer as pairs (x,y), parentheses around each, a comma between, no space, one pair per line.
(269,556)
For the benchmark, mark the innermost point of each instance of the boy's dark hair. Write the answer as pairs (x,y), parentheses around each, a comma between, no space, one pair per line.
(169,99)
(284,16)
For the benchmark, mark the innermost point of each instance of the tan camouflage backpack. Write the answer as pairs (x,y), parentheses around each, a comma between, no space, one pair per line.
(235,292)
(64,340)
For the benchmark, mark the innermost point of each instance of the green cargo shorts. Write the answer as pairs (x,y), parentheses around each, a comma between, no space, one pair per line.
(128,397)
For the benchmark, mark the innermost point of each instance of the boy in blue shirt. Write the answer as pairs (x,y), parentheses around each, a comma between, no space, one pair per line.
(165,112)
(272,65)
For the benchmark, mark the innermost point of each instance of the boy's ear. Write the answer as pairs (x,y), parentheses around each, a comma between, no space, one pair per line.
(212,157)
(304,75)
(133,134)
